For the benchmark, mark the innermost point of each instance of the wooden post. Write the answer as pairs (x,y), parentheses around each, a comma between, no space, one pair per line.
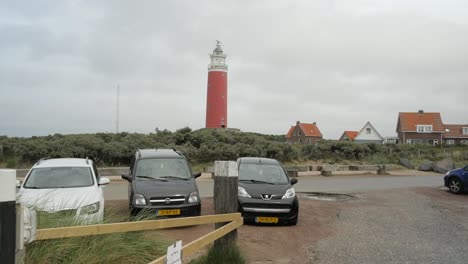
(225,198)
(381,170)
(7,216)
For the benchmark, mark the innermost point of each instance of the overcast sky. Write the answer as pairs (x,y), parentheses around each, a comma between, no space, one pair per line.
(339,63)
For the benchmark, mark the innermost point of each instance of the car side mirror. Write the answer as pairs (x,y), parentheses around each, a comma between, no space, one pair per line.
(196,175)
(294,181)
(103,181)
(126,177)
(18,183)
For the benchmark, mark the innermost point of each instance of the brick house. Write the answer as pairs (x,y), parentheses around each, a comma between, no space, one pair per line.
(304,133)
(420,128)
(456,134)
(348,135)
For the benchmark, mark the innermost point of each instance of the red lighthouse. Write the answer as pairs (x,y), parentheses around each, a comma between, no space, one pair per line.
(216,101)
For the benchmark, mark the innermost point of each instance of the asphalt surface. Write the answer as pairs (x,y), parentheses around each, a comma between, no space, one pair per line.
(118,190)
(401,227)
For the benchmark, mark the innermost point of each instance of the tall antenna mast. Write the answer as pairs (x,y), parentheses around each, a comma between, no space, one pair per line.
(117,110)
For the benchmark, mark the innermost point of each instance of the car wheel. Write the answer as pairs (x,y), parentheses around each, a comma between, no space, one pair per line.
(133,211)
(455,185)
(294,221)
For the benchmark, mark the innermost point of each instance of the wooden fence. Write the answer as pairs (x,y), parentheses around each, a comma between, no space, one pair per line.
(234,221)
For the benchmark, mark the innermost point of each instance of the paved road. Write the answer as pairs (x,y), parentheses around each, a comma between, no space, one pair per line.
(117,190)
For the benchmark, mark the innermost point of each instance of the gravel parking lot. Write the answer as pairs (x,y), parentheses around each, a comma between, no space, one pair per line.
(417,225)
(422,225)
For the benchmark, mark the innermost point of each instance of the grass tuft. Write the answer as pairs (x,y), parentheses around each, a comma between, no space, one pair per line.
(230,256)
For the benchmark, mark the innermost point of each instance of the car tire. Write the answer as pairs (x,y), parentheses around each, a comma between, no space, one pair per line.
(455,185)
(294,221)
(133,211)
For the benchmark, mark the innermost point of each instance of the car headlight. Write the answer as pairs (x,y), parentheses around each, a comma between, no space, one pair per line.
(448,172)
(193,197)
(242,192)
(139,199)
(290,193)
(90,209)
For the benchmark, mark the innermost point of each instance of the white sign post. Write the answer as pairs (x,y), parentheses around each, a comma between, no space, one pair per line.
(174,253)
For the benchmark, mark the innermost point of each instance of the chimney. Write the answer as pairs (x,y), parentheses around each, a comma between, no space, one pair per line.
(297,123)
(421,111)
(315,123)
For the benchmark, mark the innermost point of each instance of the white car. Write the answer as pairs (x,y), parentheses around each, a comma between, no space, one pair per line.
(65,186)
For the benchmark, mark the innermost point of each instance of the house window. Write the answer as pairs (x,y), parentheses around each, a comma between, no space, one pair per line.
(465,131)
(294,133)
(408,141)
(300,133)
(300,140)
(464,142)
(308,140)
(424,128)
(368,130)
(450,141)
(436,142)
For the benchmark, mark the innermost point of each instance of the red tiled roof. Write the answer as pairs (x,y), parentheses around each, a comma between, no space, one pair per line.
(289,134)
(310,130)
(408,121)
(351,134)
(455,131)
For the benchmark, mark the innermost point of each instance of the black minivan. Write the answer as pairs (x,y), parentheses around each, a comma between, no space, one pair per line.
(265,192)
(161,181)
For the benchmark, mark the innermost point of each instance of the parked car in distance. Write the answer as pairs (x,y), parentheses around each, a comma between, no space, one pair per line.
(161,182)
(265,192)
(65,188)
(456,180)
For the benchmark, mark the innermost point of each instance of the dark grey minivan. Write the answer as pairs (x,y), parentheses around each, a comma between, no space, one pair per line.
(265,192)
(161,181)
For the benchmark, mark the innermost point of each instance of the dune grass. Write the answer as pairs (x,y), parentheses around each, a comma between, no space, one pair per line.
(128,247)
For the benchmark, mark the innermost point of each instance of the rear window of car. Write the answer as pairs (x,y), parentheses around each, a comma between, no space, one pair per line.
(59,177)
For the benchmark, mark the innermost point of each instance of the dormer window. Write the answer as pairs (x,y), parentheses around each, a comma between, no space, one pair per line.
(465,130)
(368,130)
(424,128)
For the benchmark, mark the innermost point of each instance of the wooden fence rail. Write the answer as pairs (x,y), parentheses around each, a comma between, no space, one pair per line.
(99,229)
(234,221)
(201,242)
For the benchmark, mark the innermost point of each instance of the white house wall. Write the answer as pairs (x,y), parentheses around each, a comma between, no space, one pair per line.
(373,137)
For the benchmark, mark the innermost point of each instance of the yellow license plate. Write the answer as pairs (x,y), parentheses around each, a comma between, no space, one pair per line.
(268,220)
(168,212)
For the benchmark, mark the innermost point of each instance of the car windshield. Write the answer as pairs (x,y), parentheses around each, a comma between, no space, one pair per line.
(257,173)
(157,169)
(59,177)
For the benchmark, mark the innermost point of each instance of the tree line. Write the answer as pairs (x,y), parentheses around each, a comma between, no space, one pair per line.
(200,146)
